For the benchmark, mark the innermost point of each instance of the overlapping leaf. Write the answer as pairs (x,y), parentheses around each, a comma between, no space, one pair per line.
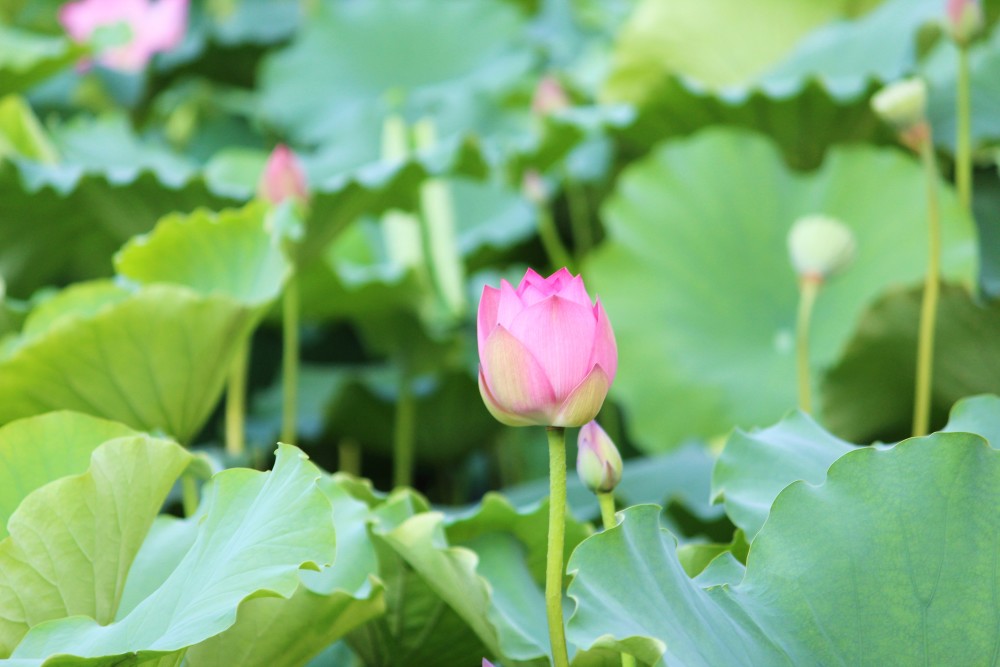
(875,564)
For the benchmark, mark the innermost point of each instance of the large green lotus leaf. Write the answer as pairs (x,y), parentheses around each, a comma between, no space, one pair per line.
(754,467)
(940,70)
(868,394)
(275,632)
(705,220)
(156,360)
(256,531)
(229,253)
(64,221)
(71,542)
(719,44)
(419,626)
(979,415)
(423,56)
(21,134)
(27,58)
(875,565)
(42,449)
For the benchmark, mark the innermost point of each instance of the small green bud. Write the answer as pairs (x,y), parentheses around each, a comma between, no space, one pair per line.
(820,246)
(902,104)
(965,20)
(598,462)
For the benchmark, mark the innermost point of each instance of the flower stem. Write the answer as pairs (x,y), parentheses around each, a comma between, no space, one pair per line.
(808,289)
(579,220)
(607,502)
(236,391)
(554,248)
(554,555)
(189,494)
(404,433)
(928,309)
(290,361)
(349,457)
(963,140)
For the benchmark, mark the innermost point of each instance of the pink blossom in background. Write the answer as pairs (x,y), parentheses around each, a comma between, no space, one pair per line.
(154,27)
(549,97)
(547,354)
(283,177)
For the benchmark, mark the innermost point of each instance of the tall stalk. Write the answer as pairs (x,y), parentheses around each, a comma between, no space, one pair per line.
(236,392)
(808,289)
(607,503)
(557,537)
(928,309)
(963,139)
(290,361)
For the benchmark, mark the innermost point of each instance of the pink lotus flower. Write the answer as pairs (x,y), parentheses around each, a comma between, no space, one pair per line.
(547,354)
(153,27)
(965,19)
(550,97)
(283,177)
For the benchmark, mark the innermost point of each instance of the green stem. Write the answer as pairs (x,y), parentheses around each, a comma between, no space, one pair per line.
(579,218)
(963,140)
(290,361)
(236,391)
(554,248)
(928,309)
(808,289)
(189,494)
(405,431)
(554,555)
(607,502)
(349,456)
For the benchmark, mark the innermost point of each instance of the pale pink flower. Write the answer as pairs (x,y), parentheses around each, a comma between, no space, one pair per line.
(547,354)
(153,27)
(598,462)
(965,19)
(283,177)
(549,97)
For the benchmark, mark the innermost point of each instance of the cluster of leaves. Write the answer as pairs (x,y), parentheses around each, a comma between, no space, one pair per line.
(136,263)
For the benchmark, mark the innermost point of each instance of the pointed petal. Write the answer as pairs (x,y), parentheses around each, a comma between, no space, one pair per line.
(498,412)
(575,291)
(532,278)
(515,378)
(531,295)
(509,306)
(605,348)
(560,335)
(486,317)
(585,401)
(558,280)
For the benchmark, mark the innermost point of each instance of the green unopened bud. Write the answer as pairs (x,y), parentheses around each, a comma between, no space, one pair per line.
(965,19)
(902,104)
(598,462)
(819,246)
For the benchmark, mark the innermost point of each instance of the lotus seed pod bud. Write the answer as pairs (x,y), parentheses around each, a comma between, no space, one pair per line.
(550,97)
(820,246)
(533,188)
(902,104)
(965,19)
(598,462)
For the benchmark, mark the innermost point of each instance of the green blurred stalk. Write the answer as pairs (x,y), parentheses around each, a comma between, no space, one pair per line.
(349,456)
(963,139)
(556,542)
(928,309)
(189,494)
(236,392)
(808,289)
(290,360)
(404,434)
(555,250)
(579,216)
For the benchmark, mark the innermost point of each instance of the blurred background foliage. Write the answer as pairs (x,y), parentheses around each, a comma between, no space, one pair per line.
(684,140)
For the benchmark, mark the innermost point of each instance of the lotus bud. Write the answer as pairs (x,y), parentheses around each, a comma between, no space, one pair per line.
(902,104)
(820,246)
(598,463)
(533,188)
(550,97)
(547,355)
(283,177)
(487,663)
(965,19)
(148,28)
